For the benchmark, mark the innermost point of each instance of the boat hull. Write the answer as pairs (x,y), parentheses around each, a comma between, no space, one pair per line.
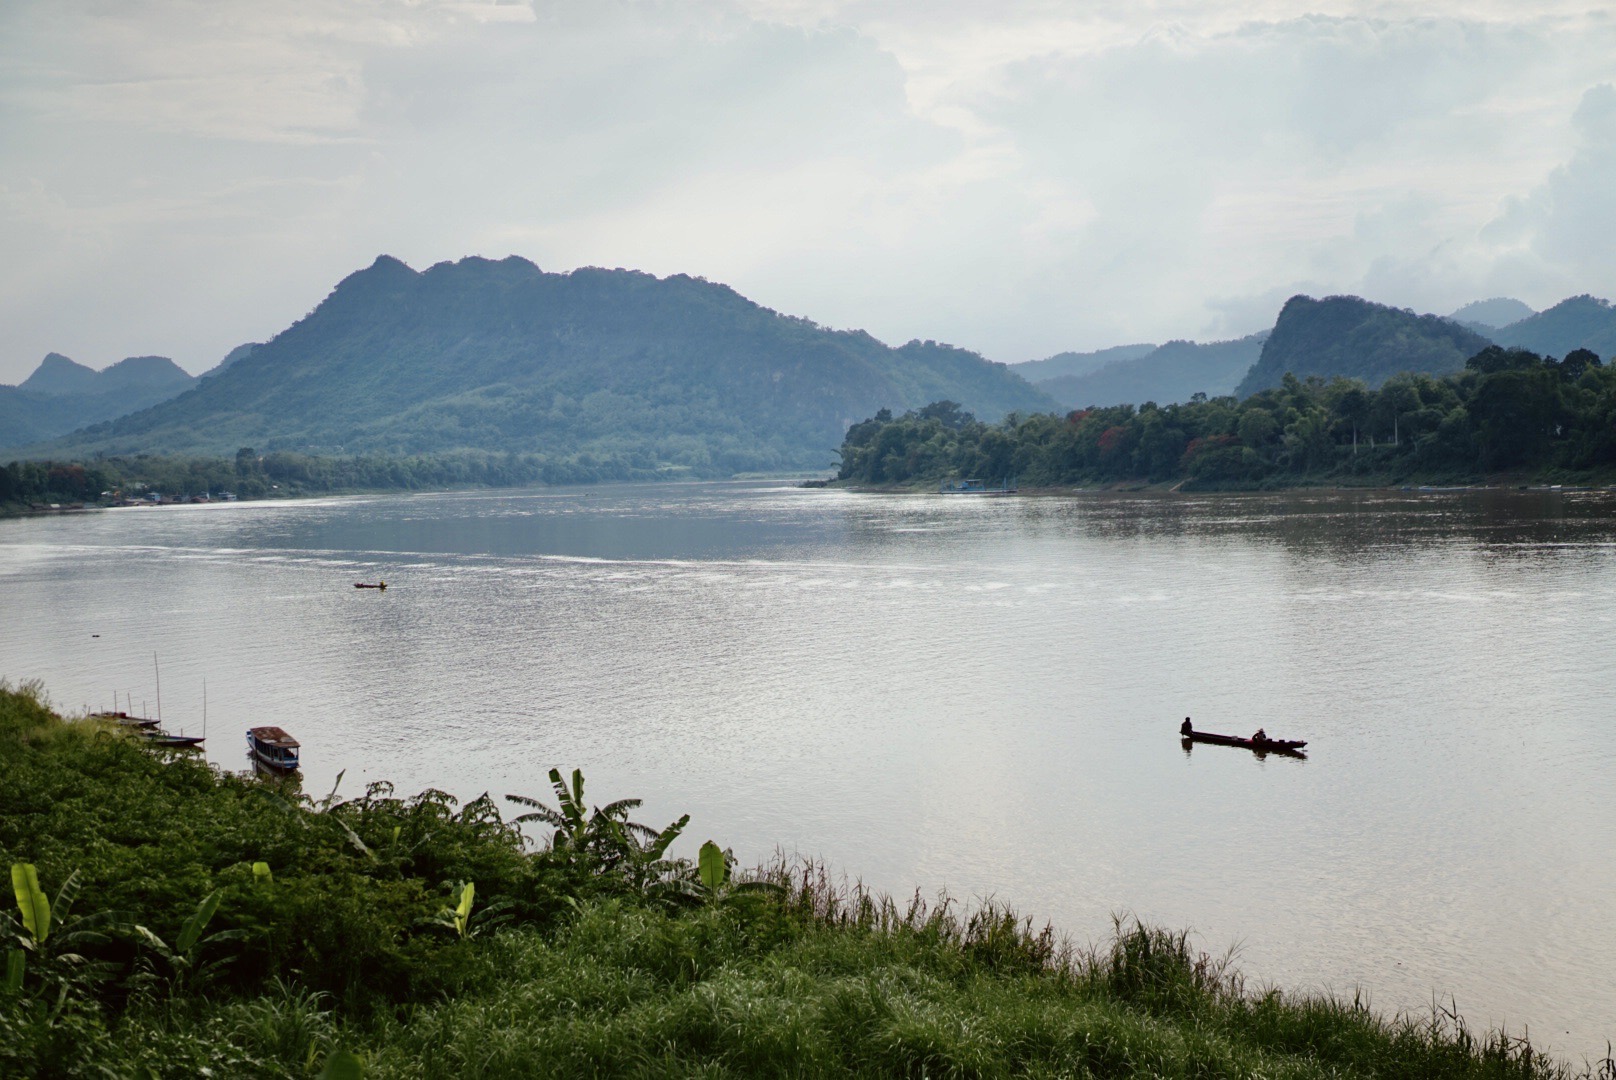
(176,742)
(1290,747)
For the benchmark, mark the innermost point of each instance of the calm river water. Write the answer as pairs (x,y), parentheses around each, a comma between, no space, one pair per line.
(981,695)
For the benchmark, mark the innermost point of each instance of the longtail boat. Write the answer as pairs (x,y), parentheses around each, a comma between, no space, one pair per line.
(1291,747)
(366,585)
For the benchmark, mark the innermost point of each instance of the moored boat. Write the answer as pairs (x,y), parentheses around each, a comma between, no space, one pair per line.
(367,585)
(123,719)
(152,737)
(273,747)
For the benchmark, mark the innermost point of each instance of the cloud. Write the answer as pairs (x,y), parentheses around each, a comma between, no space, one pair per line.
(1562,229)
(179,176)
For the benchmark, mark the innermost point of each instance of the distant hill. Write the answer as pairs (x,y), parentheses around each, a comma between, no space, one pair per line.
(61,395)
(1499,311)
(1169,373)
(1076,363)
(600,363)
(240,352)
(1582,322)
(1350,336)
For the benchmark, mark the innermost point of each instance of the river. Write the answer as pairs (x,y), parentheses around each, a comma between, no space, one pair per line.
(973,694)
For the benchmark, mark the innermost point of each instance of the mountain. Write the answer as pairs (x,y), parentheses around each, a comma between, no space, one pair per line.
(600,363)
(1499,311)
(1350,336)
(240,352)
(1076,363)
(1171,372)
(1582,322)
(61,395)
(56,375)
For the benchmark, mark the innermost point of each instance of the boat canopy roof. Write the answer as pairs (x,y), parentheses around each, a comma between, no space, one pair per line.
(274,736)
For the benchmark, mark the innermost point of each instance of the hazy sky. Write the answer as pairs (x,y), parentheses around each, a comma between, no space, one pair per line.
(181,176)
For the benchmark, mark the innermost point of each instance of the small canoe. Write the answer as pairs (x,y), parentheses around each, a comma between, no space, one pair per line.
(364,585)
(1292,747)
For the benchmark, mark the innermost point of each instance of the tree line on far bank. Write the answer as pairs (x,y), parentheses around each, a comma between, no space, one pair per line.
(1508,411)
(250,475)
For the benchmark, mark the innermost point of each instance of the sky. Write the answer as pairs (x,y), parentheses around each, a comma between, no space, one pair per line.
(178,177)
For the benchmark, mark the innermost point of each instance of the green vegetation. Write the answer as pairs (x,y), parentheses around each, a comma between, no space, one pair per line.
(1579,322)
(175,921)
(1357,339)
(501,357)
(61,395)
(1175,371)
(1509,411)
(250,475)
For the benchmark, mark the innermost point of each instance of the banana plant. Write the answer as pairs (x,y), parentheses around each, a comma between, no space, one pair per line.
(35,907)
(713,872)
(50,934)
(459,917)
(603,841)
(183,957)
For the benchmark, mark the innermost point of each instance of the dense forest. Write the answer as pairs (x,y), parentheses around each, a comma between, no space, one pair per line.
(174,920)
(1509,410)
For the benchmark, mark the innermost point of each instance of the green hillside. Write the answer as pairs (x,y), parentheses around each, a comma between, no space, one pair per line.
(1581,322)
(1174,372)
(61,395)
(1077,363)
(502,356)
(1492,314)
(1358,339)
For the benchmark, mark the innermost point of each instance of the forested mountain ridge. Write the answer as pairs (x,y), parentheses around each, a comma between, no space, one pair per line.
(1172,372)
(1358,339)
(1492,314)
(1063,364)
(607,364)
(62,395)
(1579,322)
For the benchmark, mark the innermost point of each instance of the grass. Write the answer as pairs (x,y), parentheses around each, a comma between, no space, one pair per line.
(587,969)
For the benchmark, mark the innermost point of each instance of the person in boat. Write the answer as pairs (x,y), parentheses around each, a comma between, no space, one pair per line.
(1186,729)
(1261,736)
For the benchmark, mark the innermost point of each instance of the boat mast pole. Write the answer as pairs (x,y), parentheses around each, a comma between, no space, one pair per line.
(159,687)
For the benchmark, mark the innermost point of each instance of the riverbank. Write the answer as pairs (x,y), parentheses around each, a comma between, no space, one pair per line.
(236,925)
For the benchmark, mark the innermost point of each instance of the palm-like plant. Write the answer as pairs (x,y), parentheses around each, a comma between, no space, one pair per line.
(182,957)
(604,842)
(48,938)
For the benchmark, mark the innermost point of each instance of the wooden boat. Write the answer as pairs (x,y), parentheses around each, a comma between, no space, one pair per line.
(1291,747)
(364,585)
(123,719)
(273,747)
(153,737)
